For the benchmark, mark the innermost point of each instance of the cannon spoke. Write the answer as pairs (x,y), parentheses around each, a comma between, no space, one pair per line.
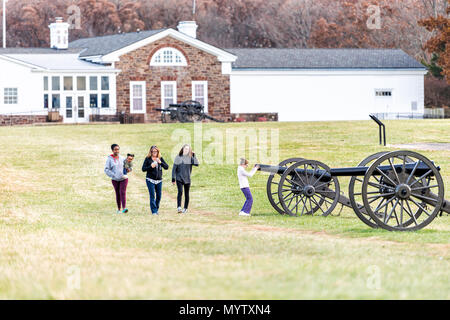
(421,207)
(423,197)
(395,171)
(382,195)
(314,200)
(384,175)
(411,214)
(412,172)
(421,178)
(426,187)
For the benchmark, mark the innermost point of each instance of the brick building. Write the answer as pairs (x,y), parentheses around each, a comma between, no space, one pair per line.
(130,75)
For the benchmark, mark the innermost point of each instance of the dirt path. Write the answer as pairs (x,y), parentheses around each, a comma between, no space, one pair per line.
(423,146)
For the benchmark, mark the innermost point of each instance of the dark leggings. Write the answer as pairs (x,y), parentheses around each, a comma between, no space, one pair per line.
(180,193)
(121,192)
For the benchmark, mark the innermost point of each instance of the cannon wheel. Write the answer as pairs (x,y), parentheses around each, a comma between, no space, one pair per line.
(273,181)
(393,199)
(356,184)
(304,193)
(186,114)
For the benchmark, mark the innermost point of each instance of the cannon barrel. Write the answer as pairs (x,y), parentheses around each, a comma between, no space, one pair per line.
(421,169)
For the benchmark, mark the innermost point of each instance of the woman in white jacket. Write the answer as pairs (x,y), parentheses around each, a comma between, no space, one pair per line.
(243,184)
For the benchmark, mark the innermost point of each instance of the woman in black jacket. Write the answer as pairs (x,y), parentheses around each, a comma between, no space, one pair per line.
(153,165)
(181,175)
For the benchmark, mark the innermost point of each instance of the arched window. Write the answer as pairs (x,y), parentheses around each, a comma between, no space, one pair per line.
(168,57)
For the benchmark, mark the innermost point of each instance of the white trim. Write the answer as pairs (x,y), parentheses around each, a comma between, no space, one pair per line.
(144,100)
(20,62)
(322,72)
(222,55)
(205,92)
(174,84)
(77,71)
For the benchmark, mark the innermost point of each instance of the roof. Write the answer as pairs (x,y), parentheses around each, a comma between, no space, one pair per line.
(271,58)
(99,46)
(38,51)
(69,61)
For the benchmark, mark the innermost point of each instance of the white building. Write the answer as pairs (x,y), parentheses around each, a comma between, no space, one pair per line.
(80,79)
(327,84)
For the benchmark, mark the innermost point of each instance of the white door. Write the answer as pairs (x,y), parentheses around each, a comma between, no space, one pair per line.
(75,110)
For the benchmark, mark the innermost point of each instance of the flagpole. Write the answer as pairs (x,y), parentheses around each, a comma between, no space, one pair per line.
(4,23)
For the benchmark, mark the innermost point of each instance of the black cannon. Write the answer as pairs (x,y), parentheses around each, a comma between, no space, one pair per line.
(397,191)
(187,111)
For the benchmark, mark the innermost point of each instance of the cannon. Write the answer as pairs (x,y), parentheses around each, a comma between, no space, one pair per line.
(396,191)
(187,111)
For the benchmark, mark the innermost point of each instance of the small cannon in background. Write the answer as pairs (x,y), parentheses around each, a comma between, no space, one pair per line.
(187,111)
(396,191)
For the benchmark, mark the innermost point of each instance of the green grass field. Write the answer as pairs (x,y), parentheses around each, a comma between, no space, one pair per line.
(61,238)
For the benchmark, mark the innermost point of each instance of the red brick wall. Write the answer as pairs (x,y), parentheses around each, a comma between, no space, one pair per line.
(7,120)
(135,66)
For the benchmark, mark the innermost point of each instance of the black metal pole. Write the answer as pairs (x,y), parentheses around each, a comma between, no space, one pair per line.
(382,134)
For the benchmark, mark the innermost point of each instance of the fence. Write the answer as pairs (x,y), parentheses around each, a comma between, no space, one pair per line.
(435,113)
(429,113)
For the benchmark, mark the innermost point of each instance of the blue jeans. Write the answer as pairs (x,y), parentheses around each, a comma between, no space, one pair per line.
(248,200)
(154,201)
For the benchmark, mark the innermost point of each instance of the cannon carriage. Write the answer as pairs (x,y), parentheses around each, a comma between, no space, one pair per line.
(187,111)
(396,191)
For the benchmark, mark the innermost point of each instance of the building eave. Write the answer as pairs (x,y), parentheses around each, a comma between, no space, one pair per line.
(222,55)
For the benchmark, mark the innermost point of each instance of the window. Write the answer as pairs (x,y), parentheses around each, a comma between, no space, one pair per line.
(56,101)
(69,107)
(105,83)
(168,93)
(68,83)
(168,57)
(46,101)
(383,93)
(93,83)
(200,92)
(137,96)
(55,84)
(93,100)
(45,83)
(10,96)
(105,100)
(81,83)
(413,105)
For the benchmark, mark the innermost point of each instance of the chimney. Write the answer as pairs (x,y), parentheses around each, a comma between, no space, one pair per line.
(188,28)
(59,34)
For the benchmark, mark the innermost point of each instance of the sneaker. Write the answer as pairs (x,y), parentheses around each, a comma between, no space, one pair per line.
(155,214)
(244,214)
(179,210)
(118,211)
(125,210)
(184,211)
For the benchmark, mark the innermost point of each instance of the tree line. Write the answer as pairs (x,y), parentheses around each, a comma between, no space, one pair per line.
(419,27)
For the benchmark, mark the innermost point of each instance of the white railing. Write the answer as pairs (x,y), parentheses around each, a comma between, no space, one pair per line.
(434,113)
